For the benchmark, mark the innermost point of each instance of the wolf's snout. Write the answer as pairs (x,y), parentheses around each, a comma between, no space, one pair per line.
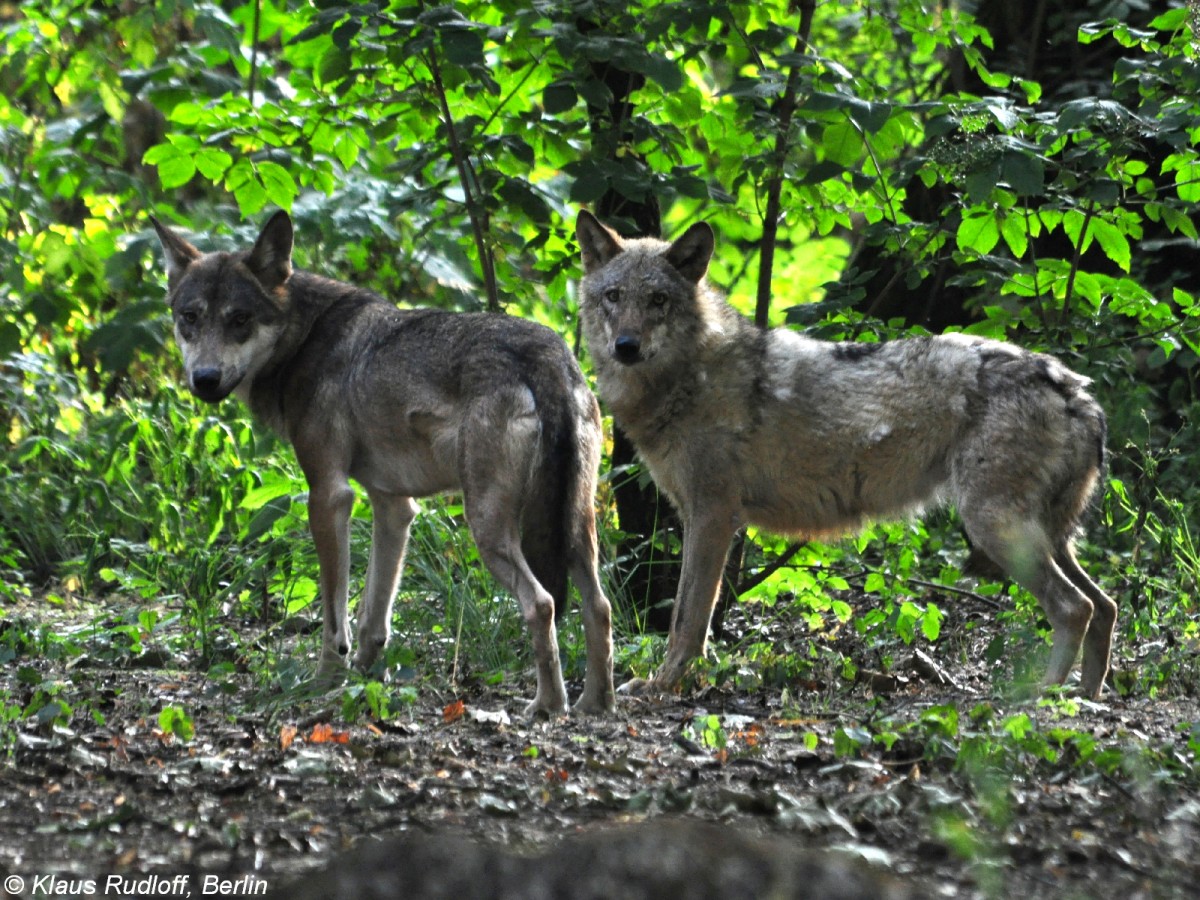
(206,384)
(627,349)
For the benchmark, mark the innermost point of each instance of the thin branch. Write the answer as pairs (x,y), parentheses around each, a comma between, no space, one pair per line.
(254,51)
(1087,221)
(475,210)
(785,108)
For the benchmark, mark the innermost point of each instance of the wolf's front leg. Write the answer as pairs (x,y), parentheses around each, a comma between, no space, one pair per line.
(329,503)
(706,538)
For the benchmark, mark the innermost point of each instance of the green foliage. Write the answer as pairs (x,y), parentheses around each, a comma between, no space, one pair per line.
(439,154)
(174,721)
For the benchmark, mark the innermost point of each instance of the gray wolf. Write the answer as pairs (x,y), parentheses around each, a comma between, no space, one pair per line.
(739,425)
(408,403)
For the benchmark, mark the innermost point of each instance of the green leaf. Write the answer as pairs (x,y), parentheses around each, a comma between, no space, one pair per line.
(1187,182)
(1113,242)
(175,166)
(212,163)
(1024,173)
(463,47)
(1012,229)
(931,622)
(558,97)
(334,66)
(1073,221)
(875,583)
(346,148)
(978,232)
(279,185)
(982,180)
(1171,20)
(869,116)
(246,187)
(173,720)
(842,144)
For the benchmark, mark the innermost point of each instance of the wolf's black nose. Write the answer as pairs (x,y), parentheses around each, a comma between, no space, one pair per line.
(206,383)
(627,349)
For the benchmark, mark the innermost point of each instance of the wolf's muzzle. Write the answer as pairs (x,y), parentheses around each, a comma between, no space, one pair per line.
(206,384)
(627,349)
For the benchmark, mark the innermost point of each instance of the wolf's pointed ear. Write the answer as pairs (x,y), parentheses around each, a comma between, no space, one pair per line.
(692,251)
(597,243)
(271,258)
(178,253)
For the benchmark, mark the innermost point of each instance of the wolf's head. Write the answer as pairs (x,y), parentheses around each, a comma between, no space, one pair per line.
(642,298)
(228,307)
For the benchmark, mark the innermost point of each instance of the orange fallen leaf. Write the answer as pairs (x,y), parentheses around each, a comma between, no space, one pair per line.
(323,733)
(454,711)
(287,734)
(751,735)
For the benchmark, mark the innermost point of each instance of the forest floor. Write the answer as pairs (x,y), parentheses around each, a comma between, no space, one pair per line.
(266,793)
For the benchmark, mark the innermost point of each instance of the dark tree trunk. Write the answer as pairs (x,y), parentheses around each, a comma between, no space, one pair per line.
(650,565)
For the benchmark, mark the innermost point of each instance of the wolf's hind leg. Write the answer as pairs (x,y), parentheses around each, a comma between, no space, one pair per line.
(493,523)
(495,464)
(1097,643)
(1023,549)
(598,696)
(392,515)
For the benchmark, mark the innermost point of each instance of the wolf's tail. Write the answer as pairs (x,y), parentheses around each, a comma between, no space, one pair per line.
(549,504)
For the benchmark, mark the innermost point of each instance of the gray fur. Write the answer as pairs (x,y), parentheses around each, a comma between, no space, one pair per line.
(408,403)
(813,438)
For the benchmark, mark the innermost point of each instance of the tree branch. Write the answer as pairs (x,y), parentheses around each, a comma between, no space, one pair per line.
(475,210)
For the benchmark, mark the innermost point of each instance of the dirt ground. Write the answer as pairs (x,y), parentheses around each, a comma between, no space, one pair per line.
(266,799)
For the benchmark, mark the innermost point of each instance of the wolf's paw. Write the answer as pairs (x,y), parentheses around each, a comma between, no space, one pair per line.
(646,689)
(545,709)
(600,705)
(331,671)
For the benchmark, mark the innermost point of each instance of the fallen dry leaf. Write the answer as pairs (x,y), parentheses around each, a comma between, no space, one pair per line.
(453,711)
(287,734)
(323,733)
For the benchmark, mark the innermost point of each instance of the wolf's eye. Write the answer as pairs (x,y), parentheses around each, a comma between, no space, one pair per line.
(239,319)
(659,298)
(613,295)
(189,316)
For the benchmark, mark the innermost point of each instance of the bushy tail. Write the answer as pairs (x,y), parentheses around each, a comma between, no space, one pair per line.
(544,516)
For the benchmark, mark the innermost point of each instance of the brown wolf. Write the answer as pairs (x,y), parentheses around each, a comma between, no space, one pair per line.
(408,403)
(739,425)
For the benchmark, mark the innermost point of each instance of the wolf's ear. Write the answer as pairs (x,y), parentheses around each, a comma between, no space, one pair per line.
(178,253)
(692,251)
(271,258)
(597,243)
